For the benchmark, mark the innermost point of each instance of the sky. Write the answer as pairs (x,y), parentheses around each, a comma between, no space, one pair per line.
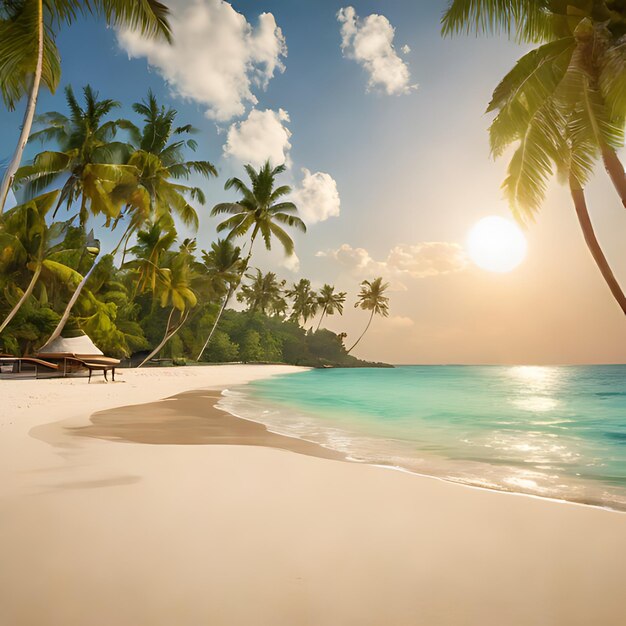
(381,123)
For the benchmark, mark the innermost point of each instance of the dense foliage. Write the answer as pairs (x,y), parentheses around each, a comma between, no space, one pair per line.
(149,294)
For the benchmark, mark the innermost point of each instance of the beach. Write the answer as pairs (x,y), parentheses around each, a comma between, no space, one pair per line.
(177,513)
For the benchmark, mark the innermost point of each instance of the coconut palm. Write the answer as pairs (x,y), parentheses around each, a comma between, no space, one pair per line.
(26,240)
(330,301)
(173,289)
(29,56)
(563,104)
(264,293)
(151,245)
(90,249)
(88,157)
(372,298)
(260,210)
(158,156)
(221,266)
(304,301)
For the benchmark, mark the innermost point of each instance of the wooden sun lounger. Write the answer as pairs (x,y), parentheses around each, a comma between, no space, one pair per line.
(93,363)
(36,363)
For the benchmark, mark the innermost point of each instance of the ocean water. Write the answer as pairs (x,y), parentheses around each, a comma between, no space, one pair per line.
(557,432)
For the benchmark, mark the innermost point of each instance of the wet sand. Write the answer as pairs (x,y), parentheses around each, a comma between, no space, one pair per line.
(191,418)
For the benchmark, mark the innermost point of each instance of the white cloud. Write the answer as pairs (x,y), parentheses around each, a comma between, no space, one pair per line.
(217,57)
(403,261)
(291,263)
(427,259)
(400,321)
(369,41)
(262,135)
(317,197)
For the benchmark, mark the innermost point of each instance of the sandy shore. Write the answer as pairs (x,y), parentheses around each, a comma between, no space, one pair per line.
(98,528)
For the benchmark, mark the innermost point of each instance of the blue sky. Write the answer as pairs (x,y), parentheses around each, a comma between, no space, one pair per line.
(411,169)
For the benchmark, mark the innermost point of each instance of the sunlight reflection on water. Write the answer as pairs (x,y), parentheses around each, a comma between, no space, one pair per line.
(545,430)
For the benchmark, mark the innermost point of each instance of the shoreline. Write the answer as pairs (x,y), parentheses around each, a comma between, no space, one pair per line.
(159,534)
(225,403)
(127,424)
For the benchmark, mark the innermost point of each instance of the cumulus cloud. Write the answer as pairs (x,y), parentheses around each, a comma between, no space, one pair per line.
(217,57)
(427,259)
(291,263)
(369,41)
(317,197)
(399,321)
(261,136)
(403,261)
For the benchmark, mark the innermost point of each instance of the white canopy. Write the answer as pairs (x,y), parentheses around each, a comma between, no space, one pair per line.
(72,345)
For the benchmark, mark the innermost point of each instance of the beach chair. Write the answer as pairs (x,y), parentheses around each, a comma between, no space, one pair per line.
(25,364)
(71,363)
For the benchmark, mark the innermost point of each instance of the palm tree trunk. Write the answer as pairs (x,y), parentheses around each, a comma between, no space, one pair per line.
(70,305)
(126,233)
(125,250)
(363,333)
(25,296)
(230,293)
(578,195)
(321,318)
(215,323)
(615,170)
(29,115)
(167,336)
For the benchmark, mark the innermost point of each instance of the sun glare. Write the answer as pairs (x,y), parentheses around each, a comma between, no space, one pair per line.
(496,244)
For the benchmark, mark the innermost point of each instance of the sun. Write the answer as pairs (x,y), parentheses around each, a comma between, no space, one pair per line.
(496,244)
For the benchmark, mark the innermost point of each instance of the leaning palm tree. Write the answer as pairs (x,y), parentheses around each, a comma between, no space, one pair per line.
(260,210)
(372,298)
(304,303)
(330,301)
(174,289)
(152,244)
(26,241)
(563,104)
(221,266)
(29,56)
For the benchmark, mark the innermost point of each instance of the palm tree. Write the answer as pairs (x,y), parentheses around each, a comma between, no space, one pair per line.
(263,294)
(91,249)
(29,56)
(221,266)
(564,103)
(259,211)
(173,289)
(304,301)
(330,301)
(26,241)
(372,298)
(87,156)
(152,243)
(158,156)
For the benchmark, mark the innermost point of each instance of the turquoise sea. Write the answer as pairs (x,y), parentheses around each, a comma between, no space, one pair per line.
(557,432)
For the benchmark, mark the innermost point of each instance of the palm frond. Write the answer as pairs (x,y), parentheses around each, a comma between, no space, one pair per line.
(290,220)
(525,20)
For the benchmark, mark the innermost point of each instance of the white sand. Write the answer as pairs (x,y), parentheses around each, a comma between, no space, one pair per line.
(100,533)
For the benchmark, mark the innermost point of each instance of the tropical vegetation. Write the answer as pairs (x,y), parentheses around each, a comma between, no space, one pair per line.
(150,294)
